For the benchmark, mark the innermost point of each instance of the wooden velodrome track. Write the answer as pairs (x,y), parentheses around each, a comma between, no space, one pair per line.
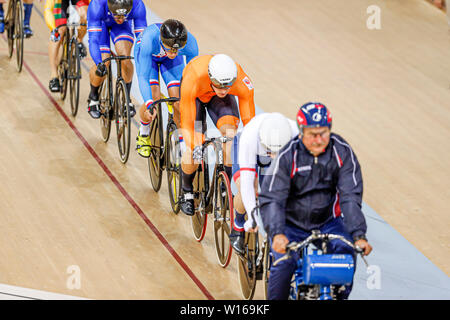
(67,200)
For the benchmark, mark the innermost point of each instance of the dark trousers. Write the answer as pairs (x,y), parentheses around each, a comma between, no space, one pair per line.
(281,275)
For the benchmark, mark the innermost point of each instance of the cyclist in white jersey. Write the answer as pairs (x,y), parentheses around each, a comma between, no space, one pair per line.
(252,152)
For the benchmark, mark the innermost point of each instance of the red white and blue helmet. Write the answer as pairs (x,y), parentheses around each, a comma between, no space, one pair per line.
(313,114)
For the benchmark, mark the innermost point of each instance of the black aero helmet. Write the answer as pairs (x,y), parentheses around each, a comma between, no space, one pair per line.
(120,7)
(173,34)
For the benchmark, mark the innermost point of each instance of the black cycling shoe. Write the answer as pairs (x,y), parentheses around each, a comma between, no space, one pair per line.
(82,50)
(94,109)
(187,204)
(237,241)
(54,85)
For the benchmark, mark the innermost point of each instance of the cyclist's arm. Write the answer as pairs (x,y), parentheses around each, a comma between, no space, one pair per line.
(350,187)
(246,92)
(48,14)
(248,145)
(94,18)
(145,67)
(140,19)
(191,48)
(275,192)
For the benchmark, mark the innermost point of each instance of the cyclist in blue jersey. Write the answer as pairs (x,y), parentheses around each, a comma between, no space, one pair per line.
(160,48)
(112,19)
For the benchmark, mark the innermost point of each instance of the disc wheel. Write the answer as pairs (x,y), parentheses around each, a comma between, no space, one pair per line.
(154,161)
(74,78)
(199,219)
(173,167)
(123,120)
(106,108)
(247,266)
(223,217)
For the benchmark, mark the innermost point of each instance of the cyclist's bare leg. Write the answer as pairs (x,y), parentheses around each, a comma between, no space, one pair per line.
(123,48)
(54,53)
(229,131)
(82,11)
(95,80)
(238,204)
(144,112)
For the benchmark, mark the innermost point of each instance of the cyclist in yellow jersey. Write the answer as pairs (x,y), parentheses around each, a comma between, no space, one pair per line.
(55,14)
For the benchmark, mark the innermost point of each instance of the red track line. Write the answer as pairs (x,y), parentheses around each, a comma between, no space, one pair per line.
(120,187)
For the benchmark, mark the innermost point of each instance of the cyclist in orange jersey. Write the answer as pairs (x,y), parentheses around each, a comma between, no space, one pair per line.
(211,84)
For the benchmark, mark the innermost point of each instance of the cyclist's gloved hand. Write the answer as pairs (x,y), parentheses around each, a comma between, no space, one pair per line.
(54,35)
(101,69)
(197,154)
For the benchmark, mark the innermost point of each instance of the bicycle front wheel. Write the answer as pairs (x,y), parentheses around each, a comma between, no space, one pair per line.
(223,217)
(156,148)
(247,266)
(123,120)
(267,258)
(63,66)
(18,34)
(74,76)
(9,26)
(199,219)
(106,107)
(173,166)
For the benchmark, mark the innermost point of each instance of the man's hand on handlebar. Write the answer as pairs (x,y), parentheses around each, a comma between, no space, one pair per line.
(364,246)
(279,243)
(101,70)
(150,114)
(197,153)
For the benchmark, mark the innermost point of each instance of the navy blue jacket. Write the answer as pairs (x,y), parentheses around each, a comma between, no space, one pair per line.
(307,191)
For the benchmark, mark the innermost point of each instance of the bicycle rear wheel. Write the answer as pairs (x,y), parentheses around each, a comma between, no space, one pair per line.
(123,120)
(199,219)
(74,76)
(223,217)
(106,107)
(18,34)
(63,66)
(247,266)
(156,147)
(173,166)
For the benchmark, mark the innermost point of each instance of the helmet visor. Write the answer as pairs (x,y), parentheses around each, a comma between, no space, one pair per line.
(119,13)
(222,85)
(173,44)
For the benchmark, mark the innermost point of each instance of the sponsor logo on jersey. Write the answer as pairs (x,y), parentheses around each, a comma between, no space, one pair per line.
(248,83)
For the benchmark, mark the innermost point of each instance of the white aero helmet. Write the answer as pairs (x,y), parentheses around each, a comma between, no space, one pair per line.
(222,71)
(274,132)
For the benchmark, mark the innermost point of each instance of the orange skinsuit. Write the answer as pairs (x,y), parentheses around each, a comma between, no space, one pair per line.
(196,84)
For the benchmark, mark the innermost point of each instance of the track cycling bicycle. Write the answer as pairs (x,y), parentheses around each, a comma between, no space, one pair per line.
(115,105)
(165,154)
(254,264)
(214,196)
(69,67)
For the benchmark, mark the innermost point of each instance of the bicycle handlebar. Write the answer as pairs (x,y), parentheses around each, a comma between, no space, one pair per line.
(316,235)
(215,140)
(114,57)
(154,103)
